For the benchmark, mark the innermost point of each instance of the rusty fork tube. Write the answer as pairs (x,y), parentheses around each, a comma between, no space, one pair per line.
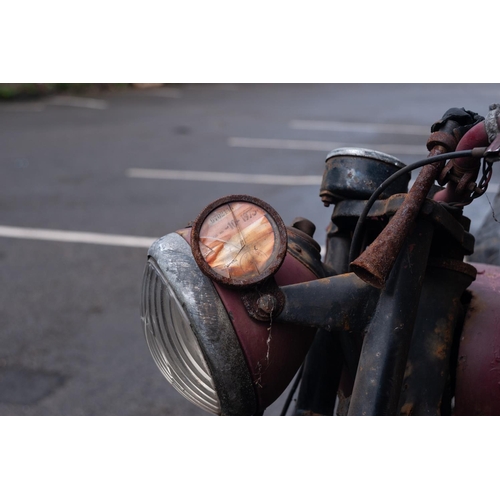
(388,337)
(375,263)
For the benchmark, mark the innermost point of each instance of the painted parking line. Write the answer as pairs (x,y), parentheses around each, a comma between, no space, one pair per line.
(371,128)
(192,175)
(75,237)
(100,238)
(230,177)
(326,146)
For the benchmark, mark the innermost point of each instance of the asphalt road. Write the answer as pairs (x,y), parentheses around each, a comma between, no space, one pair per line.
(81,199)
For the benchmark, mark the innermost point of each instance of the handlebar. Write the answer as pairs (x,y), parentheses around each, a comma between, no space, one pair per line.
(458,130)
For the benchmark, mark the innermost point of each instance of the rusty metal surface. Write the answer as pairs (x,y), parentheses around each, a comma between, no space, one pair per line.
(347,212)
(440,138)
(478,368)
(341,303)
(375,263)
(426,386)
(387,341)
(264,301)
(454,265)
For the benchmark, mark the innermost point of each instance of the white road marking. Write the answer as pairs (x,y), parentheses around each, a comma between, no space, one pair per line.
(78,102)
(305,145)
(371,128)
(277,180)
(103,239)
(75,237)
(191,175)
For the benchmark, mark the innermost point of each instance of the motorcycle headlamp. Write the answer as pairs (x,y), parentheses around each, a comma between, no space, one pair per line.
(197,327)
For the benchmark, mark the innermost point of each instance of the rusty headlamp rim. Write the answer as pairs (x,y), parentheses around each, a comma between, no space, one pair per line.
(279,247)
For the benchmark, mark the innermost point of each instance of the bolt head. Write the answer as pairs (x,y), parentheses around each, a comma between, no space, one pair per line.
(267,303)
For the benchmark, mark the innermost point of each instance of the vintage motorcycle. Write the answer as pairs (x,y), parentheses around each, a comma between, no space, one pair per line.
(392,321)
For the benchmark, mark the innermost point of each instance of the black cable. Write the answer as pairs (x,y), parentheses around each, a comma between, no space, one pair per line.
(356,238)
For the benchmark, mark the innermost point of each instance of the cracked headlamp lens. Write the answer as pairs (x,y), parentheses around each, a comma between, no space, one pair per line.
(239,240)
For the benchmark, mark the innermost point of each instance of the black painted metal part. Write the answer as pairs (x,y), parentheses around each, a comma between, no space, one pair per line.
(396,371)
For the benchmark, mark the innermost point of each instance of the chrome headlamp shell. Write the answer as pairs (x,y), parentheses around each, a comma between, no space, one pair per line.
(190,334)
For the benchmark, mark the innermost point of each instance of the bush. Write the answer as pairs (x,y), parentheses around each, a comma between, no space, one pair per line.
(36,90)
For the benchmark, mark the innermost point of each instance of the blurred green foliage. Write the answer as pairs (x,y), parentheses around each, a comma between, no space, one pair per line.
(35,90)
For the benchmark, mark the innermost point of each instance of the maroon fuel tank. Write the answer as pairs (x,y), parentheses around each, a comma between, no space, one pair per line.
(478,369)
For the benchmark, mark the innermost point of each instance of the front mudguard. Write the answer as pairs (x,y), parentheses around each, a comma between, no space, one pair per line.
(477,389)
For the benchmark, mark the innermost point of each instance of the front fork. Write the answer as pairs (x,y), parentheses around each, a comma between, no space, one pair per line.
(389,351)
